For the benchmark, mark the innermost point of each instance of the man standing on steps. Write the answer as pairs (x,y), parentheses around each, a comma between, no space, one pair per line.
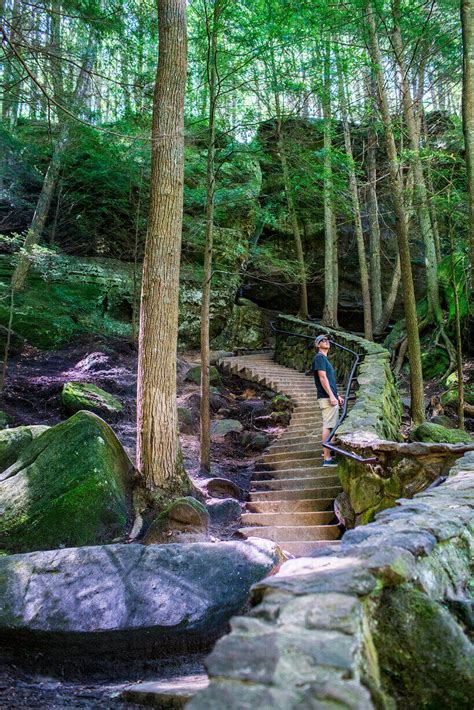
(329,400)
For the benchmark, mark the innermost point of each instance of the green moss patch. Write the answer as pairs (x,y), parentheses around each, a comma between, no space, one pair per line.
(435,433)
(80,395)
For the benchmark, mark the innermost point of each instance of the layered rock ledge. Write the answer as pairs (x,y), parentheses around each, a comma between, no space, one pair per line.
(385,621)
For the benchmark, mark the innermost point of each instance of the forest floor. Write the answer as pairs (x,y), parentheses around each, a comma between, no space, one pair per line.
(32,396)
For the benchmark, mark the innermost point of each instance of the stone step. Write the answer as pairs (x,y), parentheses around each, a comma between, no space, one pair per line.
(301,549)
(310,452)
(289,473)
(290,462)
(295,483)
(171,693)
(311,443)
(298,494)
(307,505)
(293,533)
(324,517)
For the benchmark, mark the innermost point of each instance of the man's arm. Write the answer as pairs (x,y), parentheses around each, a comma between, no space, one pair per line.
(323,378)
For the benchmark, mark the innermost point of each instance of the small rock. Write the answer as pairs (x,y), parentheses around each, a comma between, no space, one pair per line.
(194,375)
(344,510)
(281,418)
(224,512)
(77,396)
(5,420)
(223,488)
(254,440)
(183,517)
(221,427)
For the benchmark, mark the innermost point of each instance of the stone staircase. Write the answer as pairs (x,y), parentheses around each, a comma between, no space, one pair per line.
(292,496)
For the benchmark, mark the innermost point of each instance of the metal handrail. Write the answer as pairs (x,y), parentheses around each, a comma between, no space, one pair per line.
(342,416)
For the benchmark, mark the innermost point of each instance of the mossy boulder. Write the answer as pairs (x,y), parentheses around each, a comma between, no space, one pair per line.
(185,520)
(194,375)
(435,433)
(70,486)
(434,363)
(76,396)
(13,441)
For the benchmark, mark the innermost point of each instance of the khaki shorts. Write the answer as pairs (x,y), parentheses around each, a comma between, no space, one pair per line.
(330,413)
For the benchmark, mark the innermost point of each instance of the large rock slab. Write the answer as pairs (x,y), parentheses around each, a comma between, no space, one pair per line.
(70,486)
(107,598)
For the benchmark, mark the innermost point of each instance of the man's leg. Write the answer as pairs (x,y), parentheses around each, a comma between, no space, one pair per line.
(326,452)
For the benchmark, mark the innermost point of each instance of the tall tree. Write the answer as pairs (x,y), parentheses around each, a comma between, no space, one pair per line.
(354,192)
(159,459)
(396,182)
(467,22)
(213,17)
(331,280)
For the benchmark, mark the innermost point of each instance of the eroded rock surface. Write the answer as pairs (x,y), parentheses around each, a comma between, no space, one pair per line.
(143,596)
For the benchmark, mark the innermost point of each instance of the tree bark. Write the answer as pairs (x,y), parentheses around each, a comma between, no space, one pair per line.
(212,81)
(373,213)
(330,232)
(159,459)
(467,22)
(416,376)
(354,191)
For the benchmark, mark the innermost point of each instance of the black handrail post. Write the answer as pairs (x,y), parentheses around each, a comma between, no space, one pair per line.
(342,416)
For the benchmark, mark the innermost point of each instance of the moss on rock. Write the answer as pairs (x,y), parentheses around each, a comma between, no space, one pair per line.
(76,396)
(245,327)
(194,375)
(13,441)
(69,487)
(435,433)
(450,398)
(425,658)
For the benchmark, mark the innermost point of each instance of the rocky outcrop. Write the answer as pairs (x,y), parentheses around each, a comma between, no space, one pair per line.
(117,598)
(67,296)
(245,328)
(381,622)
(69,486)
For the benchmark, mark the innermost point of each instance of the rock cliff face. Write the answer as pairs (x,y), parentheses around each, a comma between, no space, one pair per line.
(68,296)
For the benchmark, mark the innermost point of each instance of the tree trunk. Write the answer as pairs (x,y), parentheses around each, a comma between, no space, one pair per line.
(303,309)
(354,191)
(159,459)
(40,216)
(212,37)
(330,232)
(421,195)
(373,213)
(467,21)
(416,376)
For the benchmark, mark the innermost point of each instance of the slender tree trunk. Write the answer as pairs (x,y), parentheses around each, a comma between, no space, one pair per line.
(421,195)
(416,376)
(303,309)
(40,216)
(330,232)
(354,191)
(373,213)
(467,21)
(159,459)
(212,23)
(391,296)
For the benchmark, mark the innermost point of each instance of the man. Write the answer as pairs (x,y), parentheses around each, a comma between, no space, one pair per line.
(329,400)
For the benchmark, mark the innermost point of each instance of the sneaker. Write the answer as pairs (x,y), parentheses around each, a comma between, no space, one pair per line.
(329,462)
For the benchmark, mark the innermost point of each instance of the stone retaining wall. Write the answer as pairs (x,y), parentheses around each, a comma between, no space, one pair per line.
(385,621)
(371,426)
